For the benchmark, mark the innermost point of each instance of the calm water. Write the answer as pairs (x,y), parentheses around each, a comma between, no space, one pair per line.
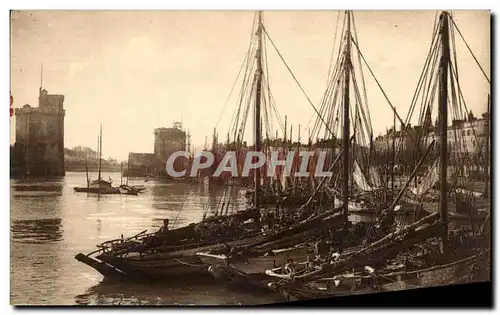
(48,231)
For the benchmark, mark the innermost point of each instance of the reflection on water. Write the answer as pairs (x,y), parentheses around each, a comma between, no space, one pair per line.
(47,231)
(36,231)
(29,188)
(106,293)
(39,187)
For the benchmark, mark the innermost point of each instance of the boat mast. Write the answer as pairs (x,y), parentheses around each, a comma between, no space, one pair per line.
(100,155)
(346,136)
(97,154)
(128,169)
(257,135)
(26,148)
(487,143)
(87,173)
(393,152)
(443,123)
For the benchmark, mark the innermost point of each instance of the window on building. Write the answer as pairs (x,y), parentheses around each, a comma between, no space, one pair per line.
(468,132)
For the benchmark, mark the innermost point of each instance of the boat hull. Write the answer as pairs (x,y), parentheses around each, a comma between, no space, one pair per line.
(175,264)
(178,260)
(96,190)
(151,269)
(250,271)
(471,269)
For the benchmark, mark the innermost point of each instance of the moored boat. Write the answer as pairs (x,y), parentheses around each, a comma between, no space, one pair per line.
(168,252)
(128,190)
(474,268)
(446,256)
(99,187)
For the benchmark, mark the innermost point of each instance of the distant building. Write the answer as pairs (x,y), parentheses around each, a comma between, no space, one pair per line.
(39,146)
(474,133)
(166,142)
(169,140)
(467,135)
(144,164)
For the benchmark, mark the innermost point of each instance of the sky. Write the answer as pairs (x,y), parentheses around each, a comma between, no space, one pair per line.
(134,71)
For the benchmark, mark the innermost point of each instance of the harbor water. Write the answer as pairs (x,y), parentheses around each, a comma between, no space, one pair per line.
(51,225)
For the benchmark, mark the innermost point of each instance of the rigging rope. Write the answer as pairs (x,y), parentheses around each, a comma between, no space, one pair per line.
(383,92)
(333,46)
(293,76)
(182,206)
(470,50)
(239,72)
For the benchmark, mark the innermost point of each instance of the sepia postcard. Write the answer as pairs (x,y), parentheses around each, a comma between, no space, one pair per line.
(248,157)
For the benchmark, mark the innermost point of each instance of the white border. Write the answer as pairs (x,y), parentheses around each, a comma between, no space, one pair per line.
(200,4)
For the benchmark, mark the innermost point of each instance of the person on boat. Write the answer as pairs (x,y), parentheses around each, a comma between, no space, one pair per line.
(164,228)
(386,221)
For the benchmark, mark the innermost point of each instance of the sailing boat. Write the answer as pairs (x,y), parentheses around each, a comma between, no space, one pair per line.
(172,253)
(99,186)
(456,256)
(249,265)
(359,185)
(176,252)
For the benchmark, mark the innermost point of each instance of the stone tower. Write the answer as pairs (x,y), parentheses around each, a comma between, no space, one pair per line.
(40,136)
(169,140)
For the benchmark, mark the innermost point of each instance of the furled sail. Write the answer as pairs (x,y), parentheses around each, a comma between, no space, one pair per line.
(375,177)
(429,180)
(360,179)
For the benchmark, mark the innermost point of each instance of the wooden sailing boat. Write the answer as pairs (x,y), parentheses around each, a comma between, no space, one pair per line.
(465,204)
(250,264)
(173,253)
(461,256)
(99,186)
(359,181)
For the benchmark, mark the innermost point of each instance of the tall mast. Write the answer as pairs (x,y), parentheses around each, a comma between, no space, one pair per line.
(487,149)
(87,173)
(100,154)
(284,134)
(257,135)
(393,151)
(443,123)
(128,168)
(346,136)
